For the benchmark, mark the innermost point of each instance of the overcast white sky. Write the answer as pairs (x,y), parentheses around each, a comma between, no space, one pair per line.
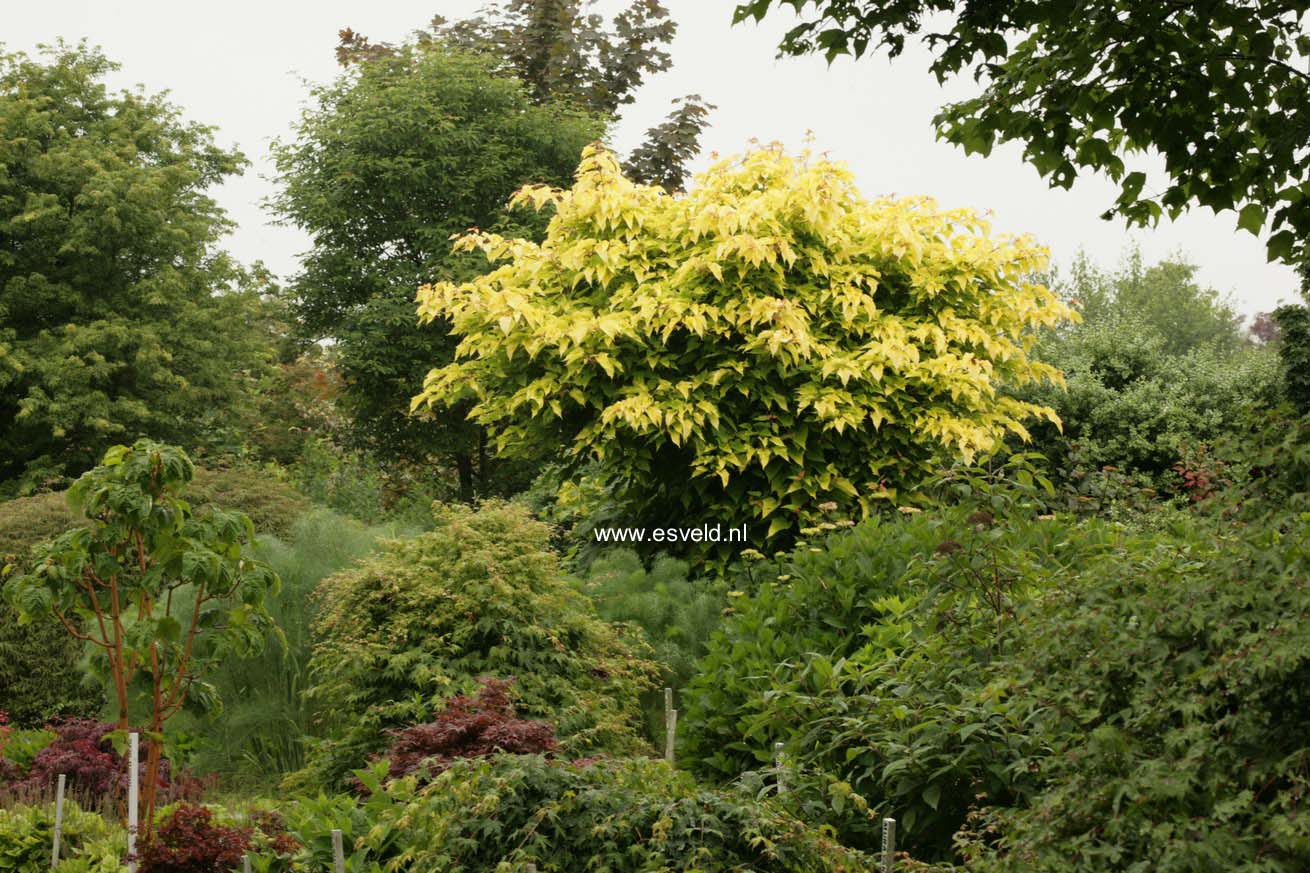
(240,65)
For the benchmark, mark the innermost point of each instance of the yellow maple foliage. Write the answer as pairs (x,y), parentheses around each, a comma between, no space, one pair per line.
(768,342)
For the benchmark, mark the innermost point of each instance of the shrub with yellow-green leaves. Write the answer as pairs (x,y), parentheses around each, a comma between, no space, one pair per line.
(767,343)
(480,596)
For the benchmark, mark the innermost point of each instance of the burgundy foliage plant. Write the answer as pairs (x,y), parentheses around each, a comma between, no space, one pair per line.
(188,841)
(469,727)
(95,770)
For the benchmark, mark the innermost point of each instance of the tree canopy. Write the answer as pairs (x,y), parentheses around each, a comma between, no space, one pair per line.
(1164,296)
(1219,90)
(562,51)
(748,353)
(118,314)
(401,152)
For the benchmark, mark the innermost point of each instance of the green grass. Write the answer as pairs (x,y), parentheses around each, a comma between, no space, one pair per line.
(260,732)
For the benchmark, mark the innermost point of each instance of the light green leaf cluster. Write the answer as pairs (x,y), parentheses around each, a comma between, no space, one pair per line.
(768,342)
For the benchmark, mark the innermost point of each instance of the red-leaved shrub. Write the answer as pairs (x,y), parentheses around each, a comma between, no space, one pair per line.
(8,769)
(270,834)
(188,841)
(94,769)
(469,727)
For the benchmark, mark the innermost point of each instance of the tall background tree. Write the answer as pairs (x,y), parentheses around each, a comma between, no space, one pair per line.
(1157,369)
(407,148)
(119,316)
(563,51)
(1219,90)
(418,142)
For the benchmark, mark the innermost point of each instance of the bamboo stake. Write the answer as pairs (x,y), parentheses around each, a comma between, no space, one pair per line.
(59,820)
(888,845)
(133,796)
(670,724)
(338,852)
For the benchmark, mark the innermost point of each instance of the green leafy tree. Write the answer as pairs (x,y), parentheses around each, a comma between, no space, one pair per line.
(747,353)
(1157,367)
(118,315)
(403,151)
(161,593)
(565,52)
(1164,297)
(1219,90)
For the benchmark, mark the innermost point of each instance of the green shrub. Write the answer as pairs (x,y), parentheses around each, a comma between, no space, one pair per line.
(273,505)
(481,595)
(1076,696)
(40,673)
(676,614)
(856,659)
(1132,405)
(1166,697)
(616,815)
(26,521)
(88,843)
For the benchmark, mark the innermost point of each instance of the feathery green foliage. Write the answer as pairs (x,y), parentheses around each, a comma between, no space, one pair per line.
(676,611)
(260,734)
(424,618)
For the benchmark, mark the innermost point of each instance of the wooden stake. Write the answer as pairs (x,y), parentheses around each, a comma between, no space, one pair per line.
(133,796)
(59,820)
(245,864)
(777,764)
(888,845)
(338,852)
(670,724)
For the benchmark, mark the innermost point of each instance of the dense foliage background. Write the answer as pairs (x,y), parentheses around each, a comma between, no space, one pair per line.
(1027,566)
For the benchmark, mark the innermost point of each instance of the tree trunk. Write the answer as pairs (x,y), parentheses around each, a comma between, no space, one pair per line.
(483,461)
(464,463)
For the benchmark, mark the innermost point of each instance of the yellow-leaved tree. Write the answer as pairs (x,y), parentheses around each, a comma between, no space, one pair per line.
(769,343)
